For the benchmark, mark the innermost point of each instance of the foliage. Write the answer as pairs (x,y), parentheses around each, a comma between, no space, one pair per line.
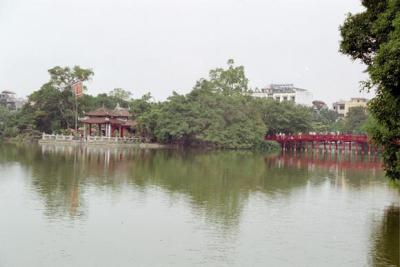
(120,94)
(355,119)
(325,120)
(6,121)
(373,36)
(218,112)
(265,145)
(285,117)
(52,107)
(226,81)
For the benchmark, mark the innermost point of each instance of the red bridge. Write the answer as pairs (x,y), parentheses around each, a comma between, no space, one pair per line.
(325,141)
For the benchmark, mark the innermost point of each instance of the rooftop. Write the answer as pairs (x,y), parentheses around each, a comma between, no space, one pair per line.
(281,88)
(8,92)
(105,112)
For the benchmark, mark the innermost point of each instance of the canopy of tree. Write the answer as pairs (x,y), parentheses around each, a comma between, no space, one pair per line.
(373,36)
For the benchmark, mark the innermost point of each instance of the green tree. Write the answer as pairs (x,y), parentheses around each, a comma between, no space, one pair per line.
(7,122)
(217,112)
(355,119)
(121,94)
(324,120)
(285,117)
(373,36)
(52,107)
(226,81)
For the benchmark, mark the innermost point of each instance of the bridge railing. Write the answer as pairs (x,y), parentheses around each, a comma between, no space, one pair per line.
(318,138)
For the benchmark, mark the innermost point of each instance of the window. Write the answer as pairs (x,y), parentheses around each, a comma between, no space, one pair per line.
(292,98)
(278,98)
(285,98)
(341,107)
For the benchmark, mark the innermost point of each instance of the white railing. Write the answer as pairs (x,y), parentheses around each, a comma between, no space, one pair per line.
(59,137)
(113,139)
(90,139)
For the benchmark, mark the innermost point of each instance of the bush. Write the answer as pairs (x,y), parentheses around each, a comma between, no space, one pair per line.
(264,145)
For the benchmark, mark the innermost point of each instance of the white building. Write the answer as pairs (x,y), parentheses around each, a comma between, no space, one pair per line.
(286,92)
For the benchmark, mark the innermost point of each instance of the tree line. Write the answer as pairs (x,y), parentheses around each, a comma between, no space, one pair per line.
(219,111)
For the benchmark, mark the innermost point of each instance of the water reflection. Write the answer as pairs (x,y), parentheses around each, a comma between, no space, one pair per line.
(385,238)
(267,202)
(218,183)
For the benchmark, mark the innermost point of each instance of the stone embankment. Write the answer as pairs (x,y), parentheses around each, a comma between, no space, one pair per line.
(97,141)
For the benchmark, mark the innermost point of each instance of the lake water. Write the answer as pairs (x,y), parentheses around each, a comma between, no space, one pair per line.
(63,206)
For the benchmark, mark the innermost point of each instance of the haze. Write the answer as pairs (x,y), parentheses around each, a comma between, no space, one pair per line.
(162,46)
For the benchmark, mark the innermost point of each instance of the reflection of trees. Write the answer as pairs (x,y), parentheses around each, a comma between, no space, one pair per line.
(57,183)
(217,183)
(385,250)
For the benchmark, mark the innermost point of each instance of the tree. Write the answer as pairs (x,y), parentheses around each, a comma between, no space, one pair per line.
(216,112)
(319,105)
(324,120)
(52,107)
(373,36)
(355,119)
(226,81)
(121,94)
(285,117)
(7,119)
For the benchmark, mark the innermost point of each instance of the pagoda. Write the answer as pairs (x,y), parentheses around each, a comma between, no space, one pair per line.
(109,123)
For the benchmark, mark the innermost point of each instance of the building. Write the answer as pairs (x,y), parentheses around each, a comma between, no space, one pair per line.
(9,100)
(342,107)
(108,123)
(285,92)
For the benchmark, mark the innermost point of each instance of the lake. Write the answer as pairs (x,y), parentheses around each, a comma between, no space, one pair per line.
(97,206)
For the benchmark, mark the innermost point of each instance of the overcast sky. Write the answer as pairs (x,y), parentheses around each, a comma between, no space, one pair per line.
(159,46)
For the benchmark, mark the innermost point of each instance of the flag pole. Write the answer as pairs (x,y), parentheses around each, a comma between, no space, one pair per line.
(76,89)
(76,114)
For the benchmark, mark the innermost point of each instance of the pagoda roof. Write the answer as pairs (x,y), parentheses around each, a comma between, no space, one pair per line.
(89,120)
(105,112)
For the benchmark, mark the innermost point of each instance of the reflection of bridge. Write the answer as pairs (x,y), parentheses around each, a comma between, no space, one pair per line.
(327,141)
(328,161)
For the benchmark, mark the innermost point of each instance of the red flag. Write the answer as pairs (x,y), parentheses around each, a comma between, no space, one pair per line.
(77,89)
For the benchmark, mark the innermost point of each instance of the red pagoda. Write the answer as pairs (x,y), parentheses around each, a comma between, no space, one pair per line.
(109,123)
